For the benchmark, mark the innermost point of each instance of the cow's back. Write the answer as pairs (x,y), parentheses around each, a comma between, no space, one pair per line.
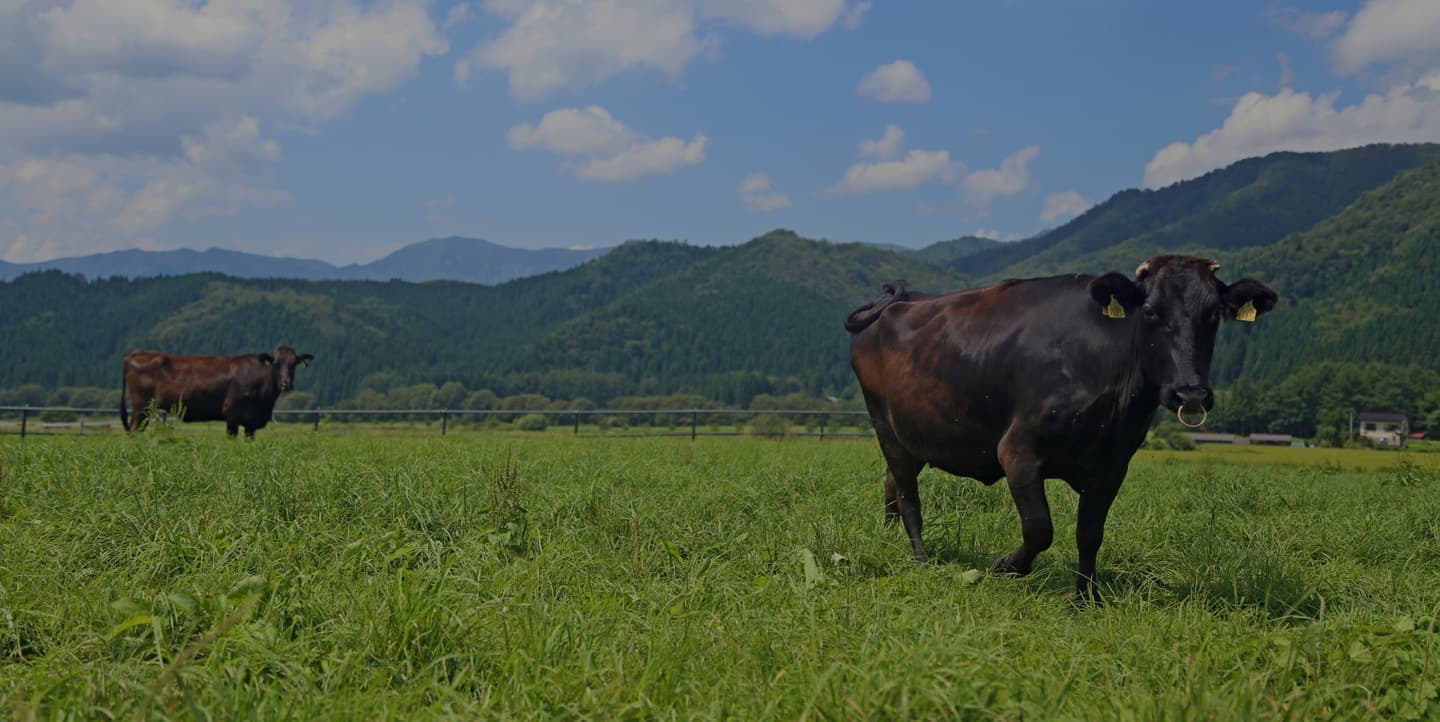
(198,384)
(949,376)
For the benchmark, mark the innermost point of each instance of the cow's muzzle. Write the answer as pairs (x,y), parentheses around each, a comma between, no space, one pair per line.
(1191,399)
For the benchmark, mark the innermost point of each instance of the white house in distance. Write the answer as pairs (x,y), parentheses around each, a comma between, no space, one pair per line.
(1383,428)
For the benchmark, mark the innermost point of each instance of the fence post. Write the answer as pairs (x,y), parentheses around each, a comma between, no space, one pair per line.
(444,421)
(24,419)
(693,414)
(316,426)
(822,427)
(576,417)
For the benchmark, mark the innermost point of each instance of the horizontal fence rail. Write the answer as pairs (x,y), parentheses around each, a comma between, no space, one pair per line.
(71,419)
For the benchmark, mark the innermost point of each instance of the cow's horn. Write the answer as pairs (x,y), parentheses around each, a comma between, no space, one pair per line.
(1214,266)
(1142,269)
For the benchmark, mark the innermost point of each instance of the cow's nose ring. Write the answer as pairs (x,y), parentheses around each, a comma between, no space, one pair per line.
(1180,414)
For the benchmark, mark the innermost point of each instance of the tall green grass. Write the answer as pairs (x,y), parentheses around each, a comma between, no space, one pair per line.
(308,577)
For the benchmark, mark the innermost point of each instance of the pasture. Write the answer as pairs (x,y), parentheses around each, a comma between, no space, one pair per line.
(305,576)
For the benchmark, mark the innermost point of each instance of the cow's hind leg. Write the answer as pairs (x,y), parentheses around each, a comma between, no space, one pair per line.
(902,492)
(1027,488)
(892,505)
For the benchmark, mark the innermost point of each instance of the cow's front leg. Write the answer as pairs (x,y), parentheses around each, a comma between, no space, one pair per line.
(1036,530)
(1095,503)
(231,429)
(1027,488)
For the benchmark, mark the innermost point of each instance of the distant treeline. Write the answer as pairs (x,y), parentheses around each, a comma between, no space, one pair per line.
(1316,402)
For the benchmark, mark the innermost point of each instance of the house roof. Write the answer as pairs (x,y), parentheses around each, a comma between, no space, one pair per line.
(1381,416)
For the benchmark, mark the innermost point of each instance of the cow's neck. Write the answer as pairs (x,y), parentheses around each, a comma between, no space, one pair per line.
(1137,396)
(271,386)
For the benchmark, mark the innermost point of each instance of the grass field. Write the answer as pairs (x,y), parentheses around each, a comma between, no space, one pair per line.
(499,576)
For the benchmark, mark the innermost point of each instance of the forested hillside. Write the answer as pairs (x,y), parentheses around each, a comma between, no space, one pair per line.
(649,317)
(764,317)
(949,253)
(1361,286)
(1254,202)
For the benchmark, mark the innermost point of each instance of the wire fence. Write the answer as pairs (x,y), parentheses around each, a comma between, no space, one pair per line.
(819,423)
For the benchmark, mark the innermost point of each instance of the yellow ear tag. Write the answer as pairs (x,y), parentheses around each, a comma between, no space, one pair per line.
(1246,312)
(1114,310)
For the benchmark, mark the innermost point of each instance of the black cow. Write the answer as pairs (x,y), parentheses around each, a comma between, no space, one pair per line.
(239,390)
(1040,378)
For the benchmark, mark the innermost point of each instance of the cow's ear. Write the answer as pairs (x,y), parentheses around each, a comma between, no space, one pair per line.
(1247,298)
(1116,294)
(266,358)
(306,358)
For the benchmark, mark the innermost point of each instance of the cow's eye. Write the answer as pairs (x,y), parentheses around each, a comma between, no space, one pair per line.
(1149,312)
(1215,317)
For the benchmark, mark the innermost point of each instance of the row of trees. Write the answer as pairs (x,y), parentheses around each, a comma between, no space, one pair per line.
(1316,402)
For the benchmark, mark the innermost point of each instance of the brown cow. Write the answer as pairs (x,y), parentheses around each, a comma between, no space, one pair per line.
(239,390)
(1040,378)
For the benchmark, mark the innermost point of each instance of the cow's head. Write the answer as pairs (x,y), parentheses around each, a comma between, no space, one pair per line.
(283,364)
(1178,304)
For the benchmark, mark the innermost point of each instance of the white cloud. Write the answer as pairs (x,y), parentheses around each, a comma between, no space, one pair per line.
(799,18)
(916,168)
(1289,120)
(887,147)
(554,44)
(984,187)
(899,82)
(887,170)
(1317,25)
(157,38)
(612,151)
(757,192)
(657,156)
(162,102)
(1388,31)
(78,204)
(1066,204)
(574,131)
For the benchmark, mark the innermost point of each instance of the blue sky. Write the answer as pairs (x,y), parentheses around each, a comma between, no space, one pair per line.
(340,129)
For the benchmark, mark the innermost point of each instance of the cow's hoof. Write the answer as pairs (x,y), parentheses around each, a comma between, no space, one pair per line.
(1011,564)
(1088,594)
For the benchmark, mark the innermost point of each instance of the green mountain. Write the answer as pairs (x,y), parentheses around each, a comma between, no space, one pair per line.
(1254,202)
(1361,286)
(648,317)
(453,258)
(655,317)
(949,253)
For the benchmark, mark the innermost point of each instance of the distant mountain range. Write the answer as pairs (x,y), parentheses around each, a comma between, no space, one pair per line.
(454,258)
(1350,240)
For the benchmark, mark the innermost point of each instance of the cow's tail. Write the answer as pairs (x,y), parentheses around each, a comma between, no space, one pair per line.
(124,416)
(866,315)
